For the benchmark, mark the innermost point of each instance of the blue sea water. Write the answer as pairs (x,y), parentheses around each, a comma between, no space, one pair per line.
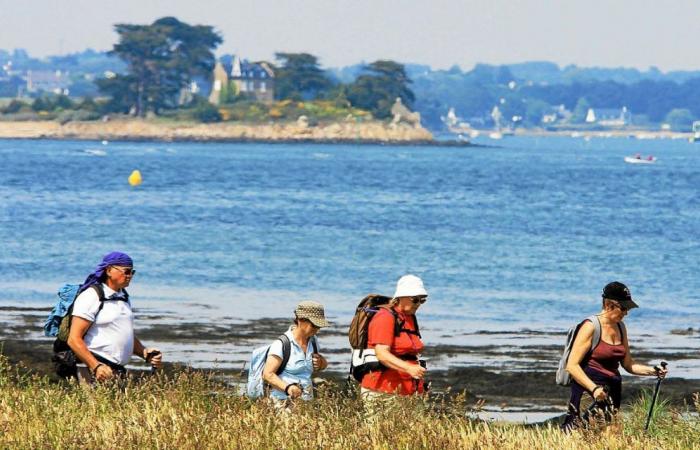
(520,236)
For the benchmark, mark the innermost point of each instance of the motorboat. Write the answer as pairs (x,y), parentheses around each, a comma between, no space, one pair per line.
(496,135)
(638,159)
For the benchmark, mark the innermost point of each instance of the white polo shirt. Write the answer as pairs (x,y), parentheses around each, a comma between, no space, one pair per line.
(112,335)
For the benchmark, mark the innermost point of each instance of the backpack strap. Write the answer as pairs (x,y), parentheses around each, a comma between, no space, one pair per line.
(314,344)
(286,351)
(399,325)
(595,340)
(100,297)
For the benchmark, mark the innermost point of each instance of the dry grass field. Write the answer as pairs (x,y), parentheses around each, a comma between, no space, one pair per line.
(194,411)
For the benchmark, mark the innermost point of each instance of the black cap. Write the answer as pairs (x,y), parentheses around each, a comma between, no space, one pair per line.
(620,293)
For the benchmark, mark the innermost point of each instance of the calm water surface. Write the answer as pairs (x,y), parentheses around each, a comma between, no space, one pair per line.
(506,239)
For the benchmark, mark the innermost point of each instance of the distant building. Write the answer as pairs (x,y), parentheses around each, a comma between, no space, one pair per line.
(243,77)
(609,117)
(55,82)
(556,114)
(217,86)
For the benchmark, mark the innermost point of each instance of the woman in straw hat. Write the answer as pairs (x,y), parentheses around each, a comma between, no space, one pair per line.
(295,380)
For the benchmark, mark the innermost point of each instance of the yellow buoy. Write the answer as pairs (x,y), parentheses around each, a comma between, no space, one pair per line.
(135,178)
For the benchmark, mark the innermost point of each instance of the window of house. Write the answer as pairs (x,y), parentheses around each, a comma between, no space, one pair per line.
(263,87)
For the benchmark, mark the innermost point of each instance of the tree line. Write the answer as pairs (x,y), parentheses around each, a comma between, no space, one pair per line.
(163,58)
(474,94)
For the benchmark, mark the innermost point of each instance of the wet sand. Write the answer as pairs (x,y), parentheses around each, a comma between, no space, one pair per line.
(523,380)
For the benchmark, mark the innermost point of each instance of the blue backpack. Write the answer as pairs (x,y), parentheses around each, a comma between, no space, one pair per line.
(256,386)
(58,324)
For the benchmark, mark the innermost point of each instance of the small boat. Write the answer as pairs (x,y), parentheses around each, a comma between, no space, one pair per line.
(637,159)
(95,152)
(496,135)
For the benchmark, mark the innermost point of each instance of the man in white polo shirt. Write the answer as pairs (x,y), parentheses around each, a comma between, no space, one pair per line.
(102,331)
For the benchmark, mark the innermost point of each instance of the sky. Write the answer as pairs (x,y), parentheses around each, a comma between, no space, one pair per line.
(439,33)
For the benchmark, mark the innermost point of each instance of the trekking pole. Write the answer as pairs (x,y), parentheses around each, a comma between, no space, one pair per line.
(656,392)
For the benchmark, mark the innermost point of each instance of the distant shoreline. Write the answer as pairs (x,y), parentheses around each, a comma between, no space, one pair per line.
(355,133)
(631,133)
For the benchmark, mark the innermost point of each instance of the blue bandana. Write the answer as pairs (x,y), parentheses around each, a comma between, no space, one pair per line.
(110,259)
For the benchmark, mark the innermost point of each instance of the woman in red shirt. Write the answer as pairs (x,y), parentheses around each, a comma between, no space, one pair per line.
(393,334)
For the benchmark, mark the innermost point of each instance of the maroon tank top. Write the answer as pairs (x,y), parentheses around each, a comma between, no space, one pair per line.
(606,358)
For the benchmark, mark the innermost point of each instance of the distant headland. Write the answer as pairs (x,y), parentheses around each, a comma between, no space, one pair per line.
(368,132)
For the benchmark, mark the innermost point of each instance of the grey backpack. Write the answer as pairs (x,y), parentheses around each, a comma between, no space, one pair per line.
(563,377)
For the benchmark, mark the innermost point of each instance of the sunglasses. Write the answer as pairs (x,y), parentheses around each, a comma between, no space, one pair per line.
(128,271)
(419,300)
(622,308)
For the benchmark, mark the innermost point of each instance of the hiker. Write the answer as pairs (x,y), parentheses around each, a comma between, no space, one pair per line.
(102,337)
(397,349)
(295,380)
(596,373)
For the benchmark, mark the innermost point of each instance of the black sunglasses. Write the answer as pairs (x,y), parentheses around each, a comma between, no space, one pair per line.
(622,308)
(419,300)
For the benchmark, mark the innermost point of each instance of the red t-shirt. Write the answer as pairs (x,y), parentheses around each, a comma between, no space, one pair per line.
(381,331)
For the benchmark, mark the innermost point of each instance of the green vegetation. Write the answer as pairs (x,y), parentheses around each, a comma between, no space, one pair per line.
(300,77)
(378,87)
(192,410)
(162,59)
(680,119)
(52,107)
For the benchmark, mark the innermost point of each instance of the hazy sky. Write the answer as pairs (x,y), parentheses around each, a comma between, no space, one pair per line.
(609,33)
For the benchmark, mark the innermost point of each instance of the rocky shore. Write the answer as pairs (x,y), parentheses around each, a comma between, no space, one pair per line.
(162,130)
(499,388)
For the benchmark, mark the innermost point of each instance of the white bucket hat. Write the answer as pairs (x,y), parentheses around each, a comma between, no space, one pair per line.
(410,286)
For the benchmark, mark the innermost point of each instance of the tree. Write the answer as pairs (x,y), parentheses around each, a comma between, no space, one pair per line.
(162,58)
(680,119)
(379,86)
(42,104)
(300,77)
(580,111)
(535,111)
(122,91)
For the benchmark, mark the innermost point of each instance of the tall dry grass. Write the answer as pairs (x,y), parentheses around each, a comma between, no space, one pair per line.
(193,411)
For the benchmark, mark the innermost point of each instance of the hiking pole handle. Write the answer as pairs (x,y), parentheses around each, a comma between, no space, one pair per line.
(150,355)
(661,366)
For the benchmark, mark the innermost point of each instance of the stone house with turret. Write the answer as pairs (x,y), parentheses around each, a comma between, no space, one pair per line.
(243,77)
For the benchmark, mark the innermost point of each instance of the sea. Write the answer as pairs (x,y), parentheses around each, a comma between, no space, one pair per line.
(514,239)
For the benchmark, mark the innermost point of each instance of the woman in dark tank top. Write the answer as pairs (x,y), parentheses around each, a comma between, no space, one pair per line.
(596,373)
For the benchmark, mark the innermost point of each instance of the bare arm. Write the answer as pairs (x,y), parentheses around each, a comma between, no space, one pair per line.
(273,363)
(581,347)
(78,328)
(389,360)
(139,348)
